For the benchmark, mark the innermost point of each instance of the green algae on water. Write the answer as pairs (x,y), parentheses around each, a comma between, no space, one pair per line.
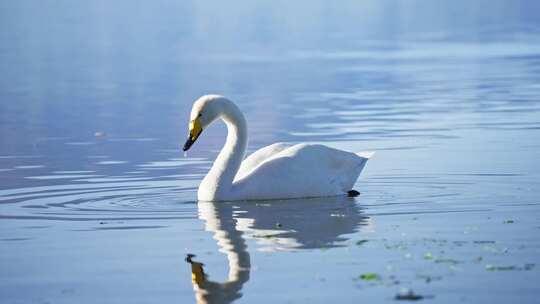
(361,242)
(369,277)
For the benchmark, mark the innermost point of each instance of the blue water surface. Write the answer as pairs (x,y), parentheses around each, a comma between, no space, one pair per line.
(98,202)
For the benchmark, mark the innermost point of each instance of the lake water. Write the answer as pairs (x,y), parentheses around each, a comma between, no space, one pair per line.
(98,203)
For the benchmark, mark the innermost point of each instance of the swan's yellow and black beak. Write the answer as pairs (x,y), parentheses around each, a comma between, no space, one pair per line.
(195,130)
(198,277)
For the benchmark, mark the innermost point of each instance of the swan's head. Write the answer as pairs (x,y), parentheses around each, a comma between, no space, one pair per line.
(205,110)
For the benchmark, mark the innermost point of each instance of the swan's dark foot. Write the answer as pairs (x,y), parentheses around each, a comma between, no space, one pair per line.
(353,193)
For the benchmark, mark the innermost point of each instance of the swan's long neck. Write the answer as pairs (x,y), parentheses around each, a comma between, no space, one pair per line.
(220,220)
(226,165)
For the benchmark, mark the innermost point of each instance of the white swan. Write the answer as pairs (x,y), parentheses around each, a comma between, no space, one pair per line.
(219,219)
(278,171)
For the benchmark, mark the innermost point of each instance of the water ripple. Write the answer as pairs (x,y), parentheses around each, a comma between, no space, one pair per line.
(101,200)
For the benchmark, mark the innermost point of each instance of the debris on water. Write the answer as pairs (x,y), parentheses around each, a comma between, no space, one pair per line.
(369,276)
(484,242)
(447,261)
(428,256)
(508,221)
(477,259)
(490,267)
(361,242)
(278,225)
(398,246)
(406,294)
(428,278)
(99,134)
(526,267)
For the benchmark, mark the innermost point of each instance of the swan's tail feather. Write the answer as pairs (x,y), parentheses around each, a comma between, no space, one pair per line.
(367,155)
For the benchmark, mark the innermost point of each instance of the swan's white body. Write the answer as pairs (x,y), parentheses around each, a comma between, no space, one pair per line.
(278,171)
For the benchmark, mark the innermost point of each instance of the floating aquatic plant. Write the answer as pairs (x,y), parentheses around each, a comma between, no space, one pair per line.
(361,242)
(369,277)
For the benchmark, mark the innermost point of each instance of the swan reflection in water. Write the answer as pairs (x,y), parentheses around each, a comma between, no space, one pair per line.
(276,226)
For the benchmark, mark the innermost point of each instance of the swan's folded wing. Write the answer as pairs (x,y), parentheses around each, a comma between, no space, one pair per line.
(302,171)
(259,156)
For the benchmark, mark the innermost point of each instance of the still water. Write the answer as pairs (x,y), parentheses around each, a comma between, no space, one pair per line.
(98,203)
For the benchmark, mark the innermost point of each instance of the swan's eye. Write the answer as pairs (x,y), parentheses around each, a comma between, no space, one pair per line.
(200,114)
